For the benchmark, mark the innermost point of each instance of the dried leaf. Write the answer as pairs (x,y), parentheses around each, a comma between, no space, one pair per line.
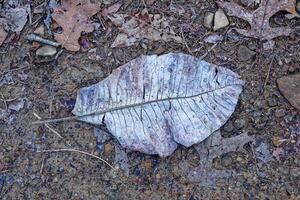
(259,18)
(134,28)
(212,147)
(3,35)
(74,17)
(154,102)
(121,159)
(13,19)
(111,9)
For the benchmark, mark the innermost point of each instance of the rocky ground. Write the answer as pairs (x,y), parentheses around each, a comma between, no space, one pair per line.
(257,156)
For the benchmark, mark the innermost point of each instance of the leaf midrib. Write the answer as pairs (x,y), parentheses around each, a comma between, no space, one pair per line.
(152,101)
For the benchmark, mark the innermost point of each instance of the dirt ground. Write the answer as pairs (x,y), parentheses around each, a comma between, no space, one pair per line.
(48,87)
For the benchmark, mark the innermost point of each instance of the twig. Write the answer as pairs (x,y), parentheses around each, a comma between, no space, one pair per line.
(4,171)
(8,100)
(185,43)
(5,102)
(209,50)
(33,37)
(77,151)
(12,70)
(47,125)
(56,120)
(268,74)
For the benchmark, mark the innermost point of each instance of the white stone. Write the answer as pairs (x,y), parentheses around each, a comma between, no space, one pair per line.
(46,51)
(220,20)
(208,20)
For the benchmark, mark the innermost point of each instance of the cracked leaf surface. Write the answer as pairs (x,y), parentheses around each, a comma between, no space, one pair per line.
(154,102)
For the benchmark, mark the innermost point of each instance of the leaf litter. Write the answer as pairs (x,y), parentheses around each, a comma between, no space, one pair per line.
(153,103)
(74,18)
(143,25)
(13,19)
(212,147)
(259,18)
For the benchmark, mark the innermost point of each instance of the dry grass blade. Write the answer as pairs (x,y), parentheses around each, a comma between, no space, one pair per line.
(48,126)
(77,151)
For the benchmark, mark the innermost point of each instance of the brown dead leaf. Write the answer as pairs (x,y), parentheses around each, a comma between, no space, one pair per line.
(140,26)
(3,35)
(74,17)
(259,18)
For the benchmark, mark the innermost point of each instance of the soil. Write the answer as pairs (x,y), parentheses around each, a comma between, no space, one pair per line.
(48,87)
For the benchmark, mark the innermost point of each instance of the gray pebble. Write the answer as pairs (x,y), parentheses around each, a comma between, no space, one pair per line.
(239,123)
(228,126)
(46,51)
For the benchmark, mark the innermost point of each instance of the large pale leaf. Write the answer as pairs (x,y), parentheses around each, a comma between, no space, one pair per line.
(154,102)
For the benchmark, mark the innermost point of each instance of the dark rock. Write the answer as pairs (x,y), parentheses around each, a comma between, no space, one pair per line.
(245,54)
(239,123)
(289,86)
(262,151)
(272,101)
(228,126)
(101,138)
(226,160)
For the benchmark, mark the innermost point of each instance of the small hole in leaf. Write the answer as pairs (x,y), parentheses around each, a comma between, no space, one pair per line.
(59,29)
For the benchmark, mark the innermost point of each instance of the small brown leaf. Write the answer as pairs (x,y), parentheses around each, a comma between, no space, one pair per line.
(259,18)
(3,35)
(74,17)
(140,26)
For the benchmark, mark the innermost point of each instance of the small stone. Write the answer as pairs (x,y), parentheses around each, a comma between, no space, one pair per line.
(46,51)
(289,86)
(220,20)
(289,16)
(214,38)
(245,54)
(280,113)
(40,30)
(226,160)
(269,45)
(17,106)
(295,172)
(208,20)
(239,123)
(228,126)
(262,151)
(108,148)
(147,164)
(291,69)
(272,102)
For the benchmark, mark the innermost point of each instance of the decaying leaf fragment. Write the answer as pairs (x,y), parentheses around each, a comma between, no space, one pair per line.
(74,18)
(140,26)
(3,34)
(154,102)
(259,18)
(12,19)
(212,147)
